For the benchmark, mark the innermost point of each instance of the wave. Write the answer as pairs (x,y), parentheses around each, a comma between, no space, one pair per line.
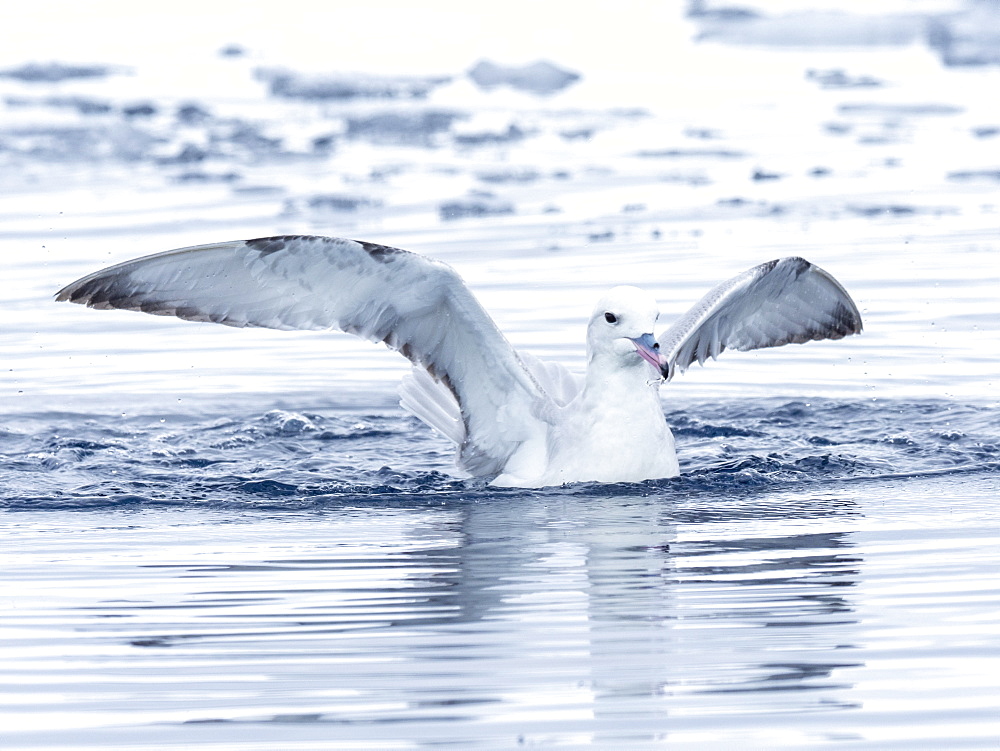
(286,459)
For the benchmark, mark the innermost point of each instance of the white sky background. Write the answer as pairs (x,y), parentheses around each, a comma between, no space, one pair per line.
(630,52)
(622,47)
(384,36)
(389,36)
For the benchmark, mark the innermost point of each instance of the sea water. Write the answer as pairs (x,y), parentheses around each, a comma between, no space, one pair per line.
(217,538)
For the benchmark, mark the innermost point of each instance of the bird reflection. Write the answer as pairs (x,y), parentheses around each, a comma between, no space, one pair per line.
(624,611)
(653,606)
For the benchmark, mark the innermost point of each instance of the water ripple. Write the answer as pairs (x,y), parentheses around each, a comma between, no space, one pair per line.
(279,457)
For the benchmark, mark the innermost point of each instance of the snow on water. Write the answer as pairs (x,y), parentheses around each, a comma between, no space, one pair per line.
(235,538)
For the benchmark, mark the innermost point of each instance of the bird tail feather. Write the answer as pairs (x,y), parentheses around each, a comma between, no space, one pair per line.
(431,402)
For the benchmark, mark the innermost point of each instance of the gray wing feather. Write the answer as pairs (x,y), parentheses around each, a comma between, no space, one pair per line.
(417,306)
(780,302)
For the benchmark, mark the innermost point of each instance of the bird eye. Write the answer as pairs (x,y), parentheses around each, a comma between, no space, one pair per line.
(611,318)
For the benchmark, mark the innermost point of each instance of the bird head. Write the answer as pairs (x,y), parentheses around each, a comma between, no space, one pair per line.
(621,329)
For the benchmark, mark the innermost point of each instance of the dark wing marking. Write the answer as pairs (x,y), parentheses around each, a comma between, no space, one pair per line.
(417,306)
(779,302)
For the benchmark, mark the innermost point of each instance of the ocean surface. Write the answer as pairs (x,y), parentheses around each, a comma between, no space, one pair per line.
(235,539)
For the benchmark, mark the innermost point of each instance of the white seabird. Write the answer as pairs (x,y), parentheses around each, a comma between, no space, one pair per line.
(515,420)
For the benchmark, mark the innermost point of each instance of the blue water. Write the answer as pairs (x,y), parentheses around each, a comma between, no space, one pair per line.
(822,572)
(282,459)
(214,538)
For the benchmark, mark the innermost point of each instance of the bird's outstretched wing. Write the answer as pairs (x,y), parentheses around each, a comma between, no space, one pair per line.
(417,306)
(779,302)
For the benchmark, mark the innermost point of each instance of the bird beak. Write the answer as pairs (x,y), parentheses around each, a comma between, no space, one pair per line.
(649,350)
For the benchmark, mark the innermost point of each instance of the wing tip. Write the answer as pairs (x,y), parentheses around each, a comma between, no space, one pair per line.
(100,292)
(846,318)
(78,292)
